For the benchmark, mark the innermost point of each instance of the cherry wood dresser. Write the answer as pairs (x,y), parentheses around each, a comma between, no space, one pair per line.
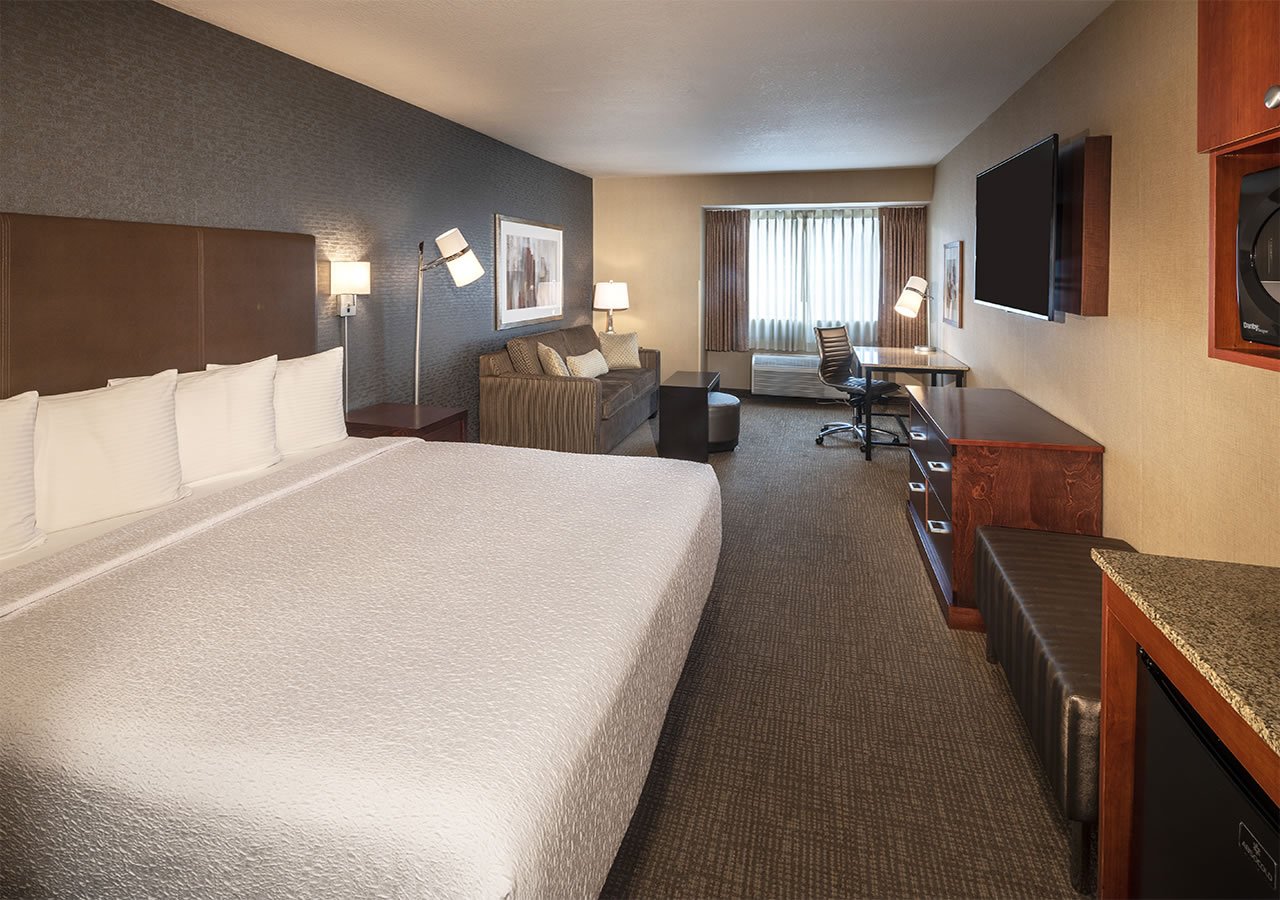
(983,456)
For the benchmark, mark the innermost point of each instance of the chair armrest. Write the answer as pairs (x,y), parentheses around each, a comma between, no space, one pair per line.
(651,359)
(541,411)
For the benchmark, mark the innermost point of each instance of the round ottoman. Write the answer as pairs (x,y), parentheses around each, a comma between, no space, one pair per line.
(723,418)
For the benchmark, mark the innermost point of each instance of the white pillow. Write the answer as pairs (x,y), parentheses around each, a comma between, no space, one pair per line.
(589,365)
(308,401)
(620,351)
(107,452)
(18,529)
(226,420)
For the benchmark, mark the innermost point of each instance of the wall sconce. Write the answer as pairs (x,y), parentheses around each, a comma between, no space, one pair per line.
(347,280)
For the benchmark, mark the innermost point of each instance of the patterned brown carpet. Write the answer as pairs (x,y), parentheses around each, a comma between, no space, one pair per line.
(830,737)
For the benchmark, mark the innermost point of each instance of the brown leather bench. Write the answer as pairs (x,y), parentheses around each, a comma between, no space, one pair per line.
(1040,595)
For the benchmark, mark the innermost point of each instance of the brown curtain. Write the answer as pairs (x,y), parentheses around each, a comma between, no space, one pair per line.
(725,274)
(902,238)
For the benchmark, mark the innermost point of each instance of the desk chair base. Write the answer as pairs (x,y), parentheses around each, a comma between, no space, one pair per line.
(830,428)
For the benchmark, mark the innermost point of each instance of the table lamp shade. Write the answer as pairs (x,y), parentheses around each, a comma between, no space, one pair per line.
(912,297)
(611,295)
(349,278)
(466,268)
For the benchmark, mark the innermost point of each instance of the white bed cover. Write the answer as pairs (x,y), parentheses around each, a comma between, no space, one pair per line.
(401,669)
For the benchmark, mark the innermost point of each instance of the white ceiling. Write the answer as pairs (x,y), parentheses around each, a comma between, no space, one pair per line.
(610,87)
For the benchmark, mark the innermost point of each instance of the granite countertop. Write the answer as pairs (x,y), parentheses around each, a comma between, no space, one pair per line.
(1223,617)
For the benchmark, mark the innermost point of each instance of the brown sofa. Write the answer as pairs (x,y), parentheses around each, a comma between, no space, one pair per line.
(522,406)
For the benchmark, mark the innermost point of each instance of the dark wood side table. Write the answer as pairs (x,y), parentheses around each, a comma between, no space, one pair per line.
(682,419)
(431,423)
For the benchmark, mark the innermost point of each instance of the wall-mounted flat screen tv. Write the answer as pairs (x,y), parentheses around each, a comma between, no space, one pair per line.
(1015,243)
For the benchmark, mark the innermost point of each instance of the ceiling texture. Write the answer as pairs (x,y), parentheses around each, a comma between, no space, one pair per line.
(660,87)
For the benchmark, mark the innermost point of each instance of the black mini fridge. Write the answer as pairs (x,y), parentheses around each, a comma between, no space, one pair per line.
(1203,826)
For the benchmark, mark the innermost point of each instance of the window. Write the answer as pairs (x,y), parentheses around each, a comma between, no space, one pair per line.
(812,267)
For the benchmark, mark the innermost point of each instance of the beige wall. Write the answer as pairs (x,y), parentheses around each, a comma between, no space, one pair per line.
(1192,443)
(648,233)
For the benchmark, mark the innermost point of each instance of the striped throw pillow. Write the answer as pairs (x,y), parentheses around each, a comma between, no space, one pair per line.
(552,364)
(621,351)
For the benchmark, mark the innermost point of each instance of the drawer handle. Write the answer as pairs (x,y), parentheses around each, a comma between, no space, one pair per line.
(938,466)
(1271,100)
(917,487)
(918,435)
(937,526)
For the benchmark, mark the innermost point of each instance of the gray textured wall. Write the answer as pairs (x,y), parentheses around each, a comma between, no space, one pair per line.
(130,110)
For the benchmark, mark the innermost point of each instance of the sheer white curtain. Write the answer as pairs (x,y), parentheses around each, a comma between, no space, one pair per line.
(812,267)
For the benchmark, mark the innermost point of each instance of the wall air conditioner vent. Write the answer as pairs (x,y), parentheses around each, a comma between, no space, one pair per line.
(782,375)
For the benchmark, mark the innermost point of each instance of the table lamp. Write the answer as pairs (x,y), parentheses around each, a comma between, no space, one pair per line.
(915,295)
(611,295)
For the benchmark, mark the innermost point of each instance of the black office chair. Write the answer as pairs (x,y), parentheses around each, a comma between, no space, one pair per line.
(835,368)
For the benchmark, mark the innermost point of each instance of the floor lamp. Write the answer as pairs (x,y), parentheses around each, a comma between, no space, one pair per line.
(915,295)
(463,266)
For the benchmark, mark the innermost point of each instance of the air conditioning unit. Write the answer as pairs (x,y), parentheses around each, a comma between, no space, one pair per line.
(789,376)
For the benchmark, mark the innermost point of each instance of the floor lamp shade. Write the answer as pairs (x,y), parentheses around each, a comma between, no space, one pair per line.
(466,268)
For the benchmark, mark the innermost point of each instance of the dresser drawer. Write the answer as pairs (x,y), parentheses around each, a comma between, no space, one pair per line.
(917,487)
(938,531)
(925,440)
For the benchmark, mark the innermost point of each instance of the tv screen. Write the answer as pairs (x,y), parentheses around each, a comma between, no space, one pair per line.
(1016,231)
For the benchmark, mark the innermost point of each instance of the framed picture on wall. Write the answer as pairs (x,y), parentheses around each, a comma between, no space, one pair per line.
(528,272)
(952,281)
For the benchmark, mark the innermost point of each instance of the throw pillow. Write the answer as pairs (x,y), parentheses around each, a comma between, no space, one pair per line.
(524,356)
(588,365)
(552,364)
(620,351)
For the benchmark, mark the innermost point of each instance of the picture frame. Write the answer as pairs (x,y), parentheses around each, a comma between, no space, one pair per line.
(952,282)
(528,272)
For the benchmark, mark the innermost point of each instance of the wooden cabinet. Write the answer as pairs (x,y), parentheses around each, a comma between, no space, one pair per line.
(981,456)
(1238,61)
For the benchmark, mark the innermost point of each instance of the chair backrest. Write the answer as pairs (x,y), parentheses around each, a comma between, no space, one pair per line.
(834,351)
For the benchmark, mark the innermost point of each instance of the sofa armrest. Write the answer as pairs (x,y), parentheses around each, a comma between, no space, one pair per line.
(541,411)
(651,359)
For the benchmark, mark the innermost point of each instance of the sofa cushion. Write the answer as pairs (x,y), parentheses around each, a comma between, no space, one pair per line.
(551,361)
(615,394)
(524,351)
(524,356)
(621,351)
(578,340)
(642,381)
(589,365)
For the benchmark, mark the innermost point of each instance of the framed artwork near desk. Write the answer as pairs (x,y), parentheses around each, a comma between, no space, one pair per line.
(952,282)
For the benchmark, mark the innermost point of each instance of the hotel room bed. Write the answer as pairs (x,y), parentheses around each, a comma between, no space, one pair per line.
(396,669)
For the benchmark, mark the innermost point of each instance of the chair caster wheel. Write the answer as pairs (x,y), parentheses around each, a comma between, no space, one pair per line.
(818,441)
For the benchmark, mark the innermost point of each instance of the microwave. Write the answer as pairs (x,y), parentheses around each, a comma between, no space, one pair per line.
(1258,257)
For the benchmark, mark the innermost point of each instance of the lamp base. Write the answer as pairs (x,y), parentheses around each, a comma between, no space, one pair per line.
(609,327)
(924,348)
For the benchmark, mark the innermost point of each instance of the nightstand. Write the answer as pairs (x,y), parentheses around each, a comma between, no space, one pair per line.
(431,423)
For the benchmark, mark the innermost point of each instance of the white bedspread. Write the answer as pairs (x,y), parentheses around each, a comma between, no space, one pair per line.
(399,670)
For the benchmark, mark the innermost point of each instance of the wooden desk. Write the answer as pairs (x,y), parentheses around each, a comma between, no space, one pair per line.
(869,360)
(431,423)
(981,456)
(682,419)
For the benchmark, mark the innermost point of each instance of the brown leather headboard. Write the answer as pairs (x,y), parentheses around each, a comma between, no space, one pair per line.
(84,300)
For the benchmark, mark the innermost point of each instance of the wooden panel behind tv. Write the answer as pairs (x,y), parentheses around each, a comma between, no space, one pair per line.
(84,300)
(1084,252)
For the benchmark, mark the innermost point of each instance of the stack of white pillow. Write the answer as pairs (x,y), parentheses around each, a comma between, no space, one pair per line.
(138,443)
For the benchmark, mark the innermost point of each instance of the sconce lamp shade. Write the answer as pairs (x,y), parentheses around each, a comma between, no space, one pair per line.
(912,297)
(466,268)
(349,278)
(611,295)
